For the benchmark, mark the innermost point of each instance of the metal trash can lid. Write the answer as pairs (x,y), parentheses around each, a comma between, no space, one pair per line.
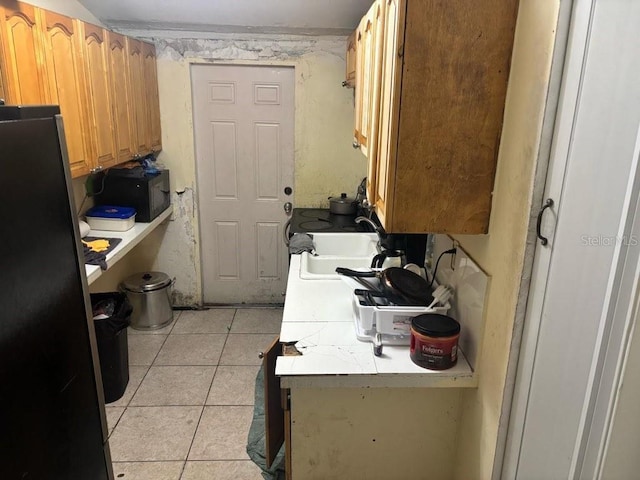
(146,282)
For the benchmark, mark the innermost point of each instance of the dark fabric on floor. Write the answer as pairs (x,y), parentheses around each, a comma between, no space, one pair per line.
(256,439)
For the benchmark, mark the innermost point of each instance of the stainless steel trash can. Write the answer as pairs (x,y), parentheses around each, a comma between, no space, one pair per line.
(150,296)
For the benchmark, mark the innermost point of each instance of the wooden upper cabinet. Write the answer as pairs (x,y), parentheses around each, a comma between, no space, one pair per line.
(391,69)
(350,76)
(358,97)
(100,99)
(139,103)
(121,97)
(368,77)
(21,62)
(377,17)
(152,96)
(67,86)
(2,95)
(445,68)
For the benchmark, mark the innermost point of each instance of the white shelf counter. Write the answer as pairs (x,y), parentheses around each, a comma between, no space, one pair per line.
(130,239)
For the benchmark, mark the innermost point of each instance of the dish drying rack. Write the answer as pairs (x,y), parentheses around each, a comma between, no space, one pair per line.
(393,322)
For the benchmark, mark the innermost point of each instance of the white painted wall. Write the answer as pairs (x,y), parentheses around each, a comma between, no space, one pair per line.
(325,162)
(70,8)
(501,253)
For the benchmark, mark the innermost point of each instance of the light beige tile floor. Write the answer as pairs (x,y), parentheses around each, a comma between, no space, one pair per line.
(187,409)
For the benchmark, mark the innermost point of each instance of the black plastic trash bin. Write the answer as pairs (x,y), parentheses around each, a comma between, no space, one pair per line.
(114,315)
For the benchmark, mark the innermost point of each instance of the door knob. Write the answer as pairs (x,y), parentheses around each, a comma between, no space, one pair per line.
(288,207)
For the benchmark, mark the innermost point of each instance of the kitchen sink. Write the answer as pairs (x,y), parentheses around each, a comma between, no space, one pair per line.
(323,267)
(346,244)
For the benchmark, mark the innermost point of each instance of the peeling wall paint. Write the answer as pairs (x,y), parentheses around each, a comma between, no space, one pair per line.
(325,162)
(177,254)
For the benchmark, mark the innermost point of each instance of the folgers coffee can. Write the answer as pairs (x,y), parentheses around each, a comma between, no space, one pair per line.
(434,341)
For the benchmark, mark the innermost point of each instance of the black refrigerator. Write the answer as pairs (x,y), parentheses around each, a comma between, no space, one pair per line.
(52,416)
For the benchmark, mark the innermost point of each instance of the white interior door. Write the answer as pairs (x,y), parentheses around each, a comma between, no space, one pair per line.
(244,135)
(582,279)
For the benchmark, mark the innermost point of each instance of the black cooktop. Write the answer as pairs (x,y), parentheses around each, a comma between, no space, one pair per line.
(310,220)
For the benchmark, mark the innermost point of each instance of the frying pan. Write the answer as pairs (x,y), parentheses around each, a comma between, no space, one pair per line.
(404,286)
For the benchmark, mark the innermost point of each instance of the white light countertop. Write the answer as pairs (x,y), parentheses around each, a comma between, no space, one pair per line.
(318,316)
(130,239)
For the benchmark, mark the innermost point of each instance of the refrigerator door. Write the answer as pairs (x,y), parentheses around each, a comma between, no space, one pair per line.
(51,418)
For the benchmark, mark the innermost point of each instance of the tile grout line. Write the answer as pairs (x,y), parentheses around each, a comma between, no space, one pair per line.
(204,406)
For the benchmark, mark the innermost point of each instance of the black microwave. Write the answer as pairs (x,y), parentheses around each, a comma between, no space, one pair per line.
(149,194)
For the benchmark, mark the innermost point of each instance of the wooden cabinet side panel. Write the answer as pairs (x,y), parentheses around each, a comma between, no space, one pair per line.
(121,96)
(65,74)
(100,113)
(22,63)
(456,66)
(152,95)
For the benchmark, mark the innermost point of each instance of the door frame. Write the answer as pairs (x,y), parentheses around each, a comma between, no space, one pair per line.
(614,331)
(196,202)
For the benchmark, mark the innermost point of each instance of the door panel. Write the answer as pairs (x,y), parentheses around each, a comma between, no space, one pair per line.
(101,115)
(21,61)
(273,412)
(150,73)
(120,89)
(65,73)
(139,104)
(243,122)
(391,71)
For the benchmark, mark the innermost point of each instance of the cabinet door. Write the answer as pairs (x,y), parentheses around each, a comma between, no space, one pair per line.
(151,90)
(350,77)
(67,88)
(2,94)
(375,86)
(391,65)
(357,124)
(21,61)
(273,411)
(139,100)
(121,97)
(100,112)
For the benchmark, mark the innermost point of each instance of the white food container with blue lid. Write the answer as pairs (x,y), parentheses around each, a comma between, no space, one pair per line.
(111,218)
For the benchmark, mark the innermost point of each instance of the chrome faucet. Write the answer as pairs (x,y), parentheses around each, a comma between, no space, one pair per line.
(378,229)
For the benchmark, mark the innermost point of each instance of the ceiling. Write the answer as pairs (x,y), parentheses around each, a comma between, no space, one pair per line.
(311,17)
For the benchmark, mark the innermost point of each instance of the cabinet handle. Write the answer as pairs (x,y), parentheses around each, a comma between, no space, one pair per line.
(547,204)
(355,144)
(345,83)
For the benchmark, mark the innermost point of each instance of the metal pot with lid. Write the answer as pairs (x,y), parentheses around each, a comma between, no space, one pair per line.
(343,205)
(150,296)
